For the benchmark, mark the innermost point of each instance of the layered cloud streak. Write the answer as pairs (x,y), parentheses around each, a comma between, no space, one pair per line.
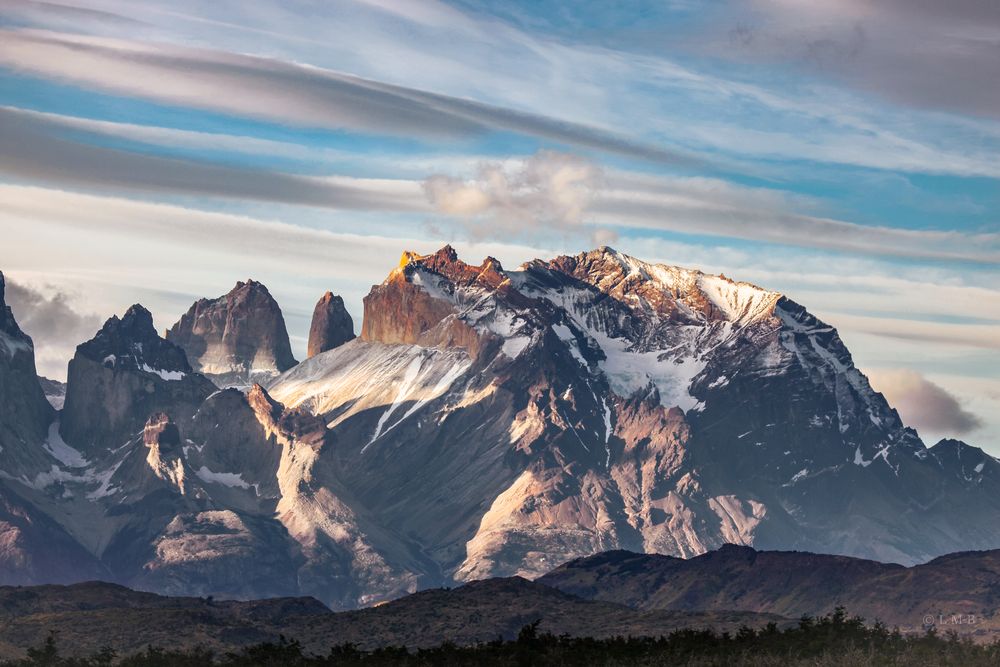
(289,93)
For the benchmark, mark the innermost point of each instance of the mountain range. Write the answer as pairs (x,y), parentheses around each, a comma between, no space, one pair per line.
(485,423)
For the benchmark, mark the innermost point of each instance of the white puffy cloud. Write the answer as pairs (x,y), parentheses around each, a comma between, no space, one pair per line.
(924,405)
(549,191)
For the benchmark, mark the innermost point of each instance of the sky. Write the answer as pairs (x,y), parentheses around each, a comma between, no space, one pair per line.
(840,151)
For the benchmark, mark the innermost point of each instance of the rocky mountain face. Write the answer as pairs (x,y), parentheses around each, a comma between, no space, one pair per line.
(331,326)
(237,339)
(487,422)
(598,402)
(120,377)
(33,547)
(54,390)
(161,481)
(26,412)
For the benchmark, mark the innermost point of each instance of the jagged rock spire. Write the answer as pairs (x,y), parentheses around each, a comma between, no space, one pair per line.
(25,413)
(121,376)
(236,338)
(332,325)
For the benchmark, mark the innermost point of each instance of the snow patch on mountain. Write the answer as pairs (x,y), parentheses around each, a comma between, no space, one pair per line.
(627,368)
(817,347)
(479,308)
(360,376)
(738,517)
(233,480)
(741,303)
(405,386)
(57,447)
(629,371)
(567,336)
(513,347)
(169,376)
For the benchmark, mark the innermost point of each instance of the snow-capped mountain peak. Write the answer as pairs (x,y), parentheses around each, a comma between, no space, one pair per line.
(131,343)
(487,422)
(670,292)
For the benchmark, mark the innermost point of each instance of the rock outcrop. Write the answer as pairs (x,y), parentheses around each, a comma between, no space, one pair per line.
(26,412)
(162,439)
(425,301)
(331,326)
(35,549)
(54,390)
(122,376)
(236,339)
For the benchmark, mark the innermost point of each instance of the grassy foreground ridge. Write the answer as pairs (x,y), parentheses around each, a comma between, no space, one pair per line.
(834,639)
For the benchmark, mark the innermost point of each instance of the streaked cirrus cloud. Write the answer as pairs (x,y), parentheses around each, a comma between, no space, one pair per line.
(295,93)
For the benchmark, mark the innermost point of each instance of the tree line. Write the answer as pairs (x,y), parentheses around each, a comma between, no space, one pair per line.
(834,639)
